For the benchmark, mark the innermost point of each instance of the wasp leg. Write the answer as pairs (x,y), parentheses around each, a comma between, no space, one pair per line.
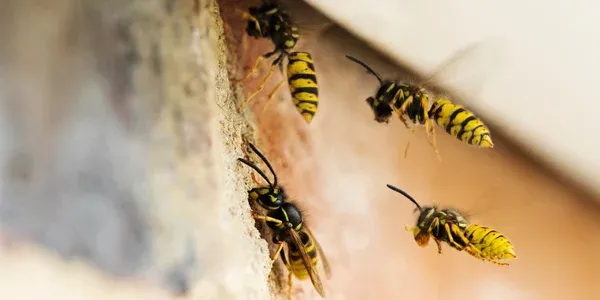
(243,49)
(449,232)
(276,256)
(400,111)
(450,238)
(432,141)
(439,245)
(272,94)
(472,250)
(260,87)
(503,264)
(289,295)
(273,220)
(245,16)
(267,219)
(434,224)
(466,241)
(412,133)
(430,128)
(244,42)
(404,121)
(478,256)
(253,69)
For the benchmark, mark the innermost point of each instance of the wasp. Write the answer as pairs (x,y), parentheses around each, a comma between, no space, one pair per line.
(285,220)
(411,103)
(449,226)
(272,22)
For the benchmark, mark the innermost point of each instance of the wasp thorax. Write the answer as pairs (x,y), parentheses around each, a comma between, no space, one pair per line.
(289,215)
(294,217)
(456,218)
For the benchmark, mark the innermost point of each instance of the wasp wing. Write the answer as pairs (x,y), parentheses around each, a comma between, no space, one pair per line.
(312,272)
(322,256)
(310,22)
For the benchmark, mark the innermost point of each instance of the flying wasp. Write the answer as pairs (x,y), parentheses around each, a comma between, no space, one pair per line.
(451,227)
(285,220)
(411,103)
(272,22)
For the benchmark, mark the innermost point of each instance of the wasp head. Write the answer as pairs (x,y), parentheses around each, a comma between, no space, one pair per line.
(257,29)
(386,92)
(382,112)
(421,237)
(268,197)
(259,19)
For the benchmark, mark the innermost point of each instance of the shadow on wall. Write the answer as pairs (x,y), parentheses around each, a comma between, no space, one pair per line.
(337,168)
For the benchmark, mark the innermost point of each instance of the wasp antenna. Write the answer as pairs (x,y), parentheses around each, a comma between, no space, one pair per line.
(364,65)
(264,159)
(405,194)
(253,166)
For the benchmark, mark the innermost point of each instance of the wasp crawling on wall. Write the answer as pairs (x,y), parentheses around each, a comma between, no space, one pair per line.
(411,103)
(451,227)
(285,220)
(272,22)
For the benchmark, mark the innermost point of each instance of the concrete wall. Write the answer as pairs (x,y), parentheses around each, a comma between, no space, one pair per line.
(119,140)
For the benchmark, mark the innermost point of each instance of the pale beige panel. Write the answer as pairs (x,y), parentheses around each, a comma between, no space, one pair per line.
(534,74)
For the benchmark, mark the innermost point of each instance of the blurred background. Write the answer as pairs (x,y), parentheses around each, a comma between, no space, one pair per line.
(120,138)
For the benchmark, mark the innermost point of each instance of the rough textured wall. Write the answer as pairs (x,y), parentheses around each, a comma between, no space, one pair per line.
(118,153)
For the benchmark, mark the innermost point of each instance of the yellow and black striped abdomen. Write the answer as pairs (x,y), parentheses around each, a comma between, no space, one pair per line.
(295,264)
(492,244)
(461,123)
(302,81)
